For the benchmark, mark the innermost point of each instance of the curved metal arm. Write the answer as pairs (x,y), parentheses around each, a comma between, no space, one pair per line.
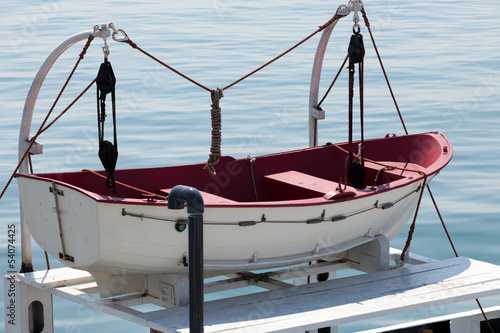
(24,133)
(314,89)
(314,113)
(29,104)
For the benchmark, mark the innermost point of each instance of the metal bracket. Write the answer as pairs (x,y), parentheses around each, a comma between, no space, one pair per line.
(36,148)
(352,5)
(318,113)
(56,191)
(62,255)
(101,31)
(105,31)
(66,257)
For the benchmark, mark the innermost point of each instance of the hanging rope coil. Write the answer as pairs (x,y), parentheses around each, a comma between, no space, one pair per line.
(215,113)
(217,94)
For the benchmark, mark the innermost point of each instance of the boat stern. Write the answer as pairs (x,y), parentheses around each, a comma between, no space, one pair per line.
(61,220)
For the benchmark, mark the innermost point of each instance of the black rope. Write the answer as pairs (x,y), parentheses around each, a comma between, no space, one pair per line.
(361,109)
(108,152)
(356,52)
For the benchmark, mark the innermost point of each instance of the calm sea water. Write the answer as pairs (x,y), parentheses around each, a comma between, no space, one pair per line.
(442,59)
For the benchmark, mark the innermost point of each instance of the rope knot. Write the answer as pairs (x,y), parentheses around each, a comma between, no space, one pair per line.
(215,112)
(131,43)
(335,17)
(86,47)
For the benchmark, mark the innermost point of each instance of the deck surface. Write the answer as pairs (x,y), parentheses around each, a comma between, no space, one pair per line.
(322,304)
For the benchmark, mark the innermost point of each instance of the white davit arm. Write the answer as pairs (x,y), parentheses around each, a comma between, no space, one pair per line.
(316,113)
(29,105)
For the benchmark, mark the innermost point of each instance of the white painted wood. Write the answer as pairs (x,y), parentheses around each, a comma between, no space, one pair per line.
(470,321)
(345,300)
(297,308)
(152,245)
(414,259)
(107,306)
(461,322)
(55,278)
(370,257)
(18,297)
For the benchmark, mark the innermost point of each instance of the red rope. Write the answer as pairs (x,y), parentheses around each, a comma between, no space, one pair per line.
(442,221)
(320,28)
(333,82)
(40,131)
(367,23)
(82,54)
(42,128)
(412,228)
(456,255)
(135,46)
(413,224)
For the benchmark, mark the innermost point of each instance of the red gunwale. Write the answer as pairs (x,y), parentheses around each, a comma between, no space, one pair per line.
(429,152)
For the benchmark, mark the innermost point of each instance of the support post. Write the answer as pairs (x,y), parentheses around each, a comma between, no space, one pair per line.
(27,309)
(371,257)
(180,195)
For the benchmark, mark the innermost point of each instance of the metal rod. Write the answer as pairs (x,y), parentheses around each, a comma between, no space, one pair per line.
(180,195)
(315,80)
(59,222)
(314,115)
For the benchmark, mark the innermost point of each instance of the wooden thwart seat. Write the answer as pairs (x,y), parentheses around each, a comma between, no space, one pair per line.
(292,185)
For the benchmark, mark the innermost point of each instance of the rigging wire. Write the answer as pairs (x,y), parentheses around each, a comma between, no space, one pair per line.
(42,128)
(412,227)
(333,82)
(367,23)
(216,134)
(127,40)
(336,17)
(456,255)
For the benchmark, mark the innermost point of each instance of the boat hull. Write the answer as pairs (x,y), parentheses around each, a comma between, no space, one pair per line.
(100,233)
(99,238)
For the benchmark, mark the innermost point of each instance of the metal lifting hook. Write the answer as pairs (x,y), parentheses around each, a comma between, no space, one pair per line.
(108,30)
(105,49)
(356,6)
(104,33)
(117,32)
(352,6)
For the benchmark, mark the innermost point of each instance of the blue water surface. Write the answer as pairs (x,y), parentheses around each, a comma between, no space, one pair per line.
(442,59)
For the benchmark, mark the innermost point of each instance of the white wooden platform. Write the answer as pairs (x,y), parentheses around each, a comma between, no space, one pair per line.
(461,322)
(290,308)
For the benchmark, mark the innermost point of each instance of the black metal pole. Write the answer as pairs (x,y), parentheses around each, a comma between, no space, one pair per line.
(177,197)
